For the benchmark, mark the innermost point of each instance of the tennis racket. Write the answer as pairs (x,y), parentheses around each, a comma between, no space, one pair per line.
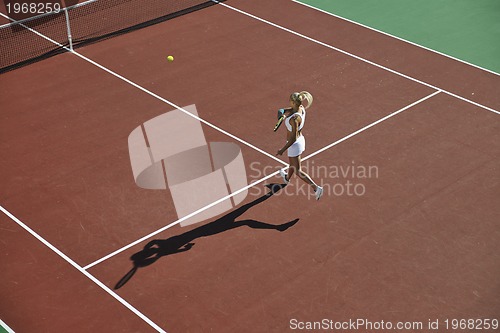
(281,116)
(278,124)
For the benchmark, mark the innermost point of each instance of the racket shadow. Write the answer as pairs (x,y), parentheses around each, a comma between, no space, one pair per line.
(158,248)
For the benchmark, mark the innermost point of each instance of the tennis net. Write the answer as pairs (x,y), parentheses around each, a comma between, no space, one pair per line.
(82,24)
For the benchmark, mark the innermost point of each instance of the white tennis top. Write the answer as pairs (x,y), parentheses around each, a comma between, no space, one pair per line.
(302,115)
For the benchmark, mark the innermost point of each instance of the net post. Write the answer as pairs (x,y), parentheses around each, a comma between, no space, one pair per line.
(70,39)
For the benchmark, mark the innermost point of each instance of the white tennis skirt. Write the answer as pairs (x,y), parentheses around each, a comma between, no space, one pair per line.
(297,147)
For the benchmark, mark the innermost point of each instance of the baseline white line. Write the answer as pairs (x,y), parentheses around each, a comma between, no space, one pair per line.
(396,37)
(6,327)
(371,125)
(150,93)
(179,221)
(79,268)
(354,56)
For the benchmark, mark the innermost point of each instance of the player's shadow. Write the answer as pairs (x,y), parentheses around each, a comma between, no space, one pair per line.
(158,248)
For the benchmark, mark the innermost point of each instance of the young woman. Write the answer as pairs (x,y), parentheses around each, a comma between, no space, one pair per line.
(296,143)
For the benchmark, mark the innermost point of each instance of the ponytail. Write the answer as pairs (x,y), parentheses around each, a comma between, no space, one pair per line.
(302,96)
(306,96)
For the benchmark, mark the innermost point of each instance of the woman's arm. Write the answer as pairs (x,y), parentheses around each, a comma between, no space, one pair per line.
(288,111)
(285,111)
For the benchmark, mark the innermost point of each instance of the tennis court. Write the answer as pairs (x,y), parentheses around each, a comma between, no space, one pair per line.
(405,141)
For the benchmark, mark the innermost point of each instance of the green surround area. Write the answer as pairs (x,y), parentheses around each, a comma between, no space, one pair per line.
(465,29)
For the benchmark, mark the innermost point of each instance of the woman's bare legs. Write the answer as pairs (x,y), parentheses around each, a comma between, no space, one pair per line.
(295,166)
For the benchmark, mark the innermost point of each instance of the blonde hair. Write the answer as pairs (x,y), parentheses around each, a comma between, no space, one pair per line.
(300,97)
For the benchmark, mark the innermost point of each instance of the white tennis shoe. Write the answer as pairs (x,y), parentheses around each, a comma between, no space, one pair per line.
(283,175)
(318,192)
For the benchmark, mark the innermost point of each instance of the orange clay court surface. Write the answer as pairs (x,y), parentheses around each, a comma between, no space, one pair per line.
(419,244)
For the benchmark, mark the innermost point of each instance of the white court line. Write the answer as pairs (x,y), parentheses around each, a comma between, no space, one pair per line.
(396,37)
(178,107)
(81,270)
(371,125)
(6,327)
(150,92)
(179,221)
(354,56)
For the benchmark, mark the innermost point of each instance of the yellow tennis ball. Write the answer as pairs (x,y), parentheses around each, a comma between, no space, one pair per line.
(170,58)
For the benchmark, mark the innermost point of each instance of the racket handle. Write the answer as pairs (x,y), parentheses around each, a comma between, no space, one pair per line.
(278,123)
